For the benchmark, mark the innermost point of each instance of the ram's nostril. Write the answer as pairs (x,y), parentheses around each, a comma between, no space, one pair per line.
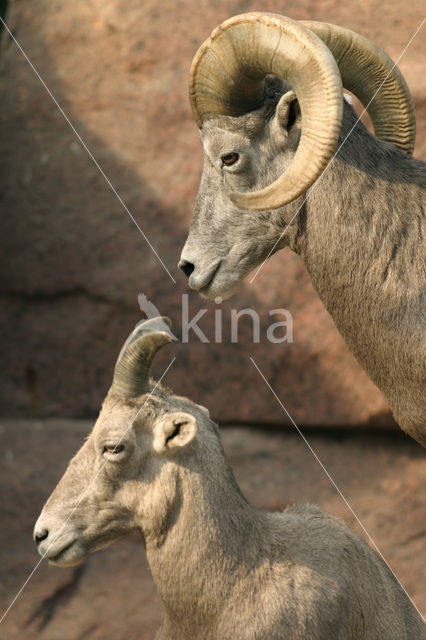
(40,536)
(187,267)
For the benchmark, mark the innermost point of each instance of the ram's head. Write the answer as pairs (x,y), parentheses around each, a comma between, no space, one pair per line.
(267,95)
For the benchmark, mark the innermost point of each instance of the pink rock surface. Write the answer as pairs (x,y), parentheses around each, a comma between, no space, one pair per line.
(112,595)
(73,261)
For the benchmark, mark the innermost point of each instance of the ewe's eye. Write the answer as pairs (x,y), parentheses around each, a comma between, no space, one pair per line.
(118,448)
(230,159)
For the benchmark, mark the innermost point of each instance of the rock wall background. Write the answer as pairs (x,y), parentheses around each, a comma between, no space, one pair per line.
(112,596)
(73,262)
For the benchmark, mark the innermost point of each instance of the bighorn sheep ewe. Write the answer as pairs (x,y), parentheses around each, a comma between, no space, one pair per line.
(154,462)
(360,229)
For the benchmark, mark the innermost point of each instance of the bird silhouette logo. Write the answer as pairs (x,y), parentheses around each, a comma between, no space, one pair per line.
(150,310)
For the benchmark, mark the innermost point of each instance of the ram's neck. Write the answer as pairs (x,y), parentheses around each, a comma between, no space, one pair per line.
(361,238)
(209,540)
(361,233)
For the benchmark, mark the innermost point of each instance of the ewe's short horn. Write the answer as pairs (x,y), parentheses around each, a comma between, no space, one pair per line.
(371,75)
(131,373)
(227,76)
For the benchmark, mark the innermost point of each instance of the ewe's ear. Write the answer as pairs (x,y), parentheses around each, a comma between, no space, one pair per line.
(174,430)
(287,114)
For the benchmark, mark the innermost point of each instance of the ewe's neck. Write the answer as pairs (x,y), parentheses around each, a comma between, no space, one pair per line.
(209,540)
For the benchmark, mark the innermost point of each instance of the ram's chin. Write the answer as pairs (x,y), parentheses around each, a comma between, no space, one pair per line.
(220,287)
(212,292)
(63,564)
(68,558)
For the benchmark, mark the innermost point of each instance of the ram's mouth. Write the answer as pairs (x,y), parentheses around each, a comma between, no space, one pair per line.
(60,558)
(219,289)
(204,290)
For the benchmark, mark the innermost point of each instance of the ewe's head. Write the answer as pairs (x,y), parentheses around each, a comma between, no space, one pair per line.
(266,143)
(124,476)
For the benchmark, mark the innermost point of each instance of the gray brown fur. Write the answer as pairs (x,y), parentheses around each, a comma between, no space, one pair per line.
(361,234)
(223,569)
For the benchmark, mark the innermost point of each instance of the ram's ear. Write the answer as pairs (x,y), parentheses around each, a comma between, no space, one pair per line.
(288,116)
(204,410)
(174,431)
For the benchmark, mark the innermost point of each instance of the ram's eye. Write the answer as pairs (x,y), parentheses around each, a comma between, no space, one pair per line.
(230,159)
(118,448)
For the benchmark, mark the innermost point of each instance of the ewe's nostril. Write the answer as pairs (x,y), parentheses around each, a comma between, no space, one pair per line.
(42,535)
(187,267)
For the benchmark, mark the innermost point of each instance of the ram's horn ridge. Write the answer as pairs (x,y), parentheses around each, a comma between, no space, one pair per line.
(227,77)
(316,58)
(376,81)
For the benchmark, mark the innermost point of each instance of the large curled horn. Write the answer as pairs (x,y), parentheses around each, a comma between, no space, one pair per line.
(373,77)
(131,373)
(227,76)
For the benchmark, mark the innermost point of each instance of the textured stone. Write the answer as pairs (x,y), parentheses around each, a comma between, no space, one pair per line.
(73,261)
(114,597)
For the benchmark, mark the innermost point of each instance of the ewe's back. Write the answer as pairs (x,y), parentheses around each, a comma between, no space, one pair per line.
(339,587)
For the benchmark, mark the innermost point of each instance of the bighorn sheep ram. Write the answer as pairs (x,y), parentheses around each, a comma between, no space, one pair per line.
(154,462)
(360,229)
